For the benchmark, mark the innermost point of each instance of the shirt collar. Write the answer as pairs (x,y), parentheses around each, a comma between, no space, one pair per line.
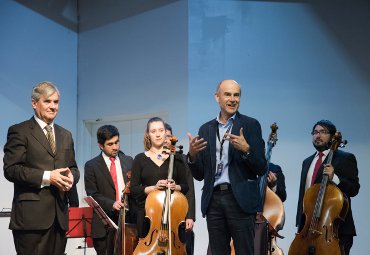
(42,123)
(229,121)
(325,152)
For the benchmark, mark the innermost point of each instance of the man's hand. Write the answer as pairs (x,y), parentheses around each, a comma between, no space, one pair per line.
(238,141)
(195,145)
(62,178)
(118,205)
(329,170)
(271,179)
(189,224)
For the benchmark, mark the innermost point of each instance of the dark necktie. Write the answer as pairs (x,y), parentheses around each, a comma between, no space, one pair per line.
(113,173)
(317,167)
(50,137)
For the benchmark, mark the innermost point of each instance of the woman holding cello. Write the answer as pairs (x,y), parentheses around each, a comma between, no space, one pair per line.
(151,174)
(329,179)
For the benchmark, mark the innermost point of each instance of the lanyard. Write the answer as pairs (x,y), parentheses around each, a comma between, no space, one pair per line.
(223,138)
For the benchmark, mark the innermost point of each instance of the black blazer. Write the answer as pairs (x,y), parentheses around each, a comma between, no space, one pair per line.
(345,167)
(27,154)
(280,184)
(190,195)
(243,169)
(99,184)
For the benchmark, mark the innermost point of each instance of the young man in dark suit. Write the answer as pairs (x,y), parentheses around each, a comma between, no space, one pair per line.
(342,172)
(228,154)
(106,176)
(39,159)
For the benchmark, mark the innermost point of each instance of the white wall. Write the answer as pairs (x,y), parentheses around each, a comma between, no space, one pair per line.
(32,49)
(297,62)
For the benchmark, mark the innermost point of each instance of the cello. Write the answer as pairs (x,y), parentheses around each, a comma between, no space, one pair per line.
(126,237)
(323,205)
(166,211)
(273,208)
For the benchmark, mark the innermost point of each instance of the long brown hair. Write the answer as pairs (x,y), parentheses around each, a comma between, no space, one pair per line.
(147,142)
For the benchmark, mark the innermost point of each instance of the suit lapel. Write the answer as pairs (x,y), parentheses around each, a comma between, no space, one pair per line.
(235,130)
(58,139)
(102,166)
(305,169)
(39,135)
(212,144)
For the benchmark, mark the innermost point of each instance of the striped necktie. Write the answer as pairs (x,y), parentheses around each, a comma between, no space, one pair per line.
(50,137)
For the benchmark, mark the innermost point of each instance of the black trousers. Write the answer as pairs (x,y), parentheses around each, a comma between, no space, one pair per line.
(40,242)
(105,245)
(226,220)
(346,242)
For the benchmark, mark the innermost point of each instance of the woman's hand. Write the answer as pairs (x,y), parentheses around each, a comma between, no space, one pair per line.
(161,184)
(171,184)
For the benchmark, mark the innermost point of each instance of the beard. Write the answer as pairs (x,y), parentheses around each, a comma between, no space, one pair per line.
(322,147)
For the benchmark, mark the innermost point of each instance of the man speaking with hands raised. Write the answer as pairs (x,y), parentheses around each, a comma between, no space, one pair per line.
(228,154)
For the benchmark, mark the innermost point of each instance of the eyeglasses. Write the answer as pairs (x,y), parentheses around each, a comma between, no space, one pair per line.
(321,132)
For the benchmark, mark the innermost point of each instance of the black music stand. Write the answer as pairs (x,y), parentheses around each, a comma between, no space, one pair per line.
(100,212)
(79,225)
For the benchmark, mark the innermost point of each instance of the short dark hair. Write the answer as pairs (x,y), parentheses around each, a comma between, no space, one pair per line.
(168,127)
(106,132)
(327,124)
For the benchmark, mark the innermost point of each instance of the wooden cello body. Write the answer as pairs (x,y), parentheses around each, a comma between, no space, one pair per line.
(166,211)
(273,208)
(126,235)
(323,206)
(157,241)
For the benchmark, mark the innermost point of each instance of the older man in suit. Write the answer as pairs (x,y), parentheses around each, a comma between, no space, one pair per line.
(228,154)
(106,176)
(39,159)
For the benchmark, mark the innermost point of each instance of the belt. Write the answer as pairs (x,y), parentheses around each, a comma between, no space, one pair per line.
(222,187)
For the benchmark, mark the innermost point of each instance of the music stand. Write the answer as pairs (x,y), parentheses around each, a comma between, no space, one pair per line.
(79,225)
(100,212)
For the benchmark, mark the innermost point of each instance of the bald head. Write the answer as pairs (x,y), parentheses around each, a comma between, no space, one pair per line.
(223,82)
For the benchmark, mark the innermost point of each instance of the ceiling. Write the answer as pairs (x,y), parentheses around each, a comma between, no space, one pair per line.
(82,15)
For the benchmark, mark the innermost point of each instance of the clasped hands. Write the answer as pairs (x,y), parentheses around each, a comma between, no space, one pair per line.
(162,184)
(62,178)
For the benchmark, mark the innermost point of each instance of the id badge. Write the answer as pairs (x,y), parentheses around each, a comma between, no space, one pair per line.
(220,167)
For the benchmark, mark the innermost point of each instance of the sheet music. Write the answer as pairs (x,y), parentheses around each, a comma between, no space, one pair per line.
(98,210)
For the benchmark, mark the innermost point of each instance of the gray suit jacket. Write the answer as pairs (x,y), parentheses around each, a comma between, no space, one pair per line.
(27,154)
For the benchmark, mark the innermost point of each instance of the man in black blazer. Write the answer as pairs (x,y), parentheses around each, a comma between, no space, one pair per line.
(276,181)
(228,154)
(99,184)
(342,172)
(42,166)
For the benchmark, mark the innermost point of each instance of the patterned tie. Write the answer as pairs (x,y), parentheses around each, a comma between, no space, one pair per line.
(316,169)
(50,137)
(113,173)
